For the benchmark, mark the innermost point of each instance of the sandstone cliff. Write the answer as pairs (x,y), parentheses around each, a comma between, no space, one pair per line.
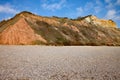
(100,22)
(19,33)
(27,28)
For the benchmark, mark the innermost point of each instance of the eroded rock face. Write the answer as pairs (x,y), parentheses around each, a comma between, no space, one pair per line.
(27,28)
(19,33)
(100,22)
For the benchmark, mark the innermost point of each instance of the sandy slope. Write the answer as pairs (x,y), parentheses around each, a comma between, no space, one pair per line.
(19,33)
(59,63)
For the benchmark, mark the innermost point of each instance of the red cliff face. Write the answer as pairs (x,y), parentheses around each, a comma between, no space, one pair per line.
(27,28)
(19,33)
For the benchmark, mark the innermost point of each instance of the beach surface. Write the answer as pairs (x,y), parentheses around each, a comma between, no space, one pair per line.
(59,63)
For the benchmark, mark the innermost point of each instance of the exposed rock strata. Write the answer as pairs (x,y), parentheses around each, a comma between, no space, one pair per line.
(19,33)
(27,28)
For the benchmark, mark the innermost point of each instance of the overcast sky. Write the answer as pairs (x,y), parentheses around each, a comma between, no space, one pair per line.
(106,9)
